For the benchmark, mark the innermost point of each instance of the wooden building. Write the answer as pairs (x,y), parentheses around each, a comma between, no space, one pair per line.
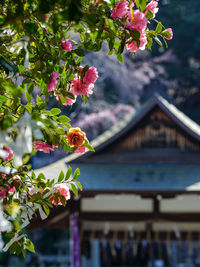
(143,181)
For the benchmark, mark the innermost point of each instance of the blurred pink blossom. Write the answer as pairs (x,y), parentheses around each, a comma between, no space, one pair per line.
(68,102)
(10,153)
(40,146)
(51,86)
(66,45)
(2,193)
(64,191)
(79,88)
(120,10)
(81,149)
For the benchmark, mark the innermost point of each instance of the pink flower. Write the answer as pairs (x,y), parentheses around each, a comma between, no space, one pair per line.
(152,6)
(40,146)
(68,102)
(64,191)
(66,45)
(3,175)
(79,88)
(3,193)
(10,153)
(133,47)
(91,75)
(120,10)
(51,86)
(137,22)
(167,34)
(81,149)
(11,189)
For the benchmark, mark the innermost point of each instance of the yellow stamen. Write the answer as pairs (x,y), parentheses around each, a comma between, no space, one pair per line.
(132,16)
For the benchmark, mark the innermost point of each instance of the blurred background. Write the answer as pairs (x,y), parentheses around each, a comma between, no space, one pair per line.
(140,204)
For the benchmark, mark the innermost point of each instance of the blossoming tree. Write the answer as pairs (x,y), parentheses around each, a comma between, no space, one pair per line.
(42,43)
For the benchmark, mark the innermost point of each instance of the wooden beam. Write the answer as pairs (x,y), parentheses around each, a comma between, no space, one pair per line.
(137,217)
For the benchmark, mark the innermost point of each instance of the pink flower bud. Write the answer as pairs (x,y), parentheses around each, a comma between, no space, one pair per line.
(167,34)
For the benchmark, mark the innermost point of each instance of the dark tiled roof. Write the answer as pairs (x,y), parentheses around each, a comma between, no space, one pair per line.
(140,176)
(115,132)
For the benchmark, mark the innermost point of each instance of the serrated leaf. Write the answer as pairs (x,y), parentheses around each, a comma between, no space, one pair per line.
(76,174)
(55,111)
(68,173)
(74,189)
(61,176)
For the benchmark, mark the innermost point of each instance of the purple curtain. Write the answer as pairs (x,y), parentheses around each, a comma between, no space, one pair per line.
(75,241)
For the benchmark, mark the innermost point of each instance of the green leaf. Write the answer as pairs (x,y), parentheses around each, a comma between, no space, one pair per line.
(76,174)
(85,98)
(46,209)
(74,189)
(120,57)
(63,118)
(55,111)
(24,253)
(41,176)
(61,176)
(3,98)
(149,14)
(60,131)
(21,68)
(141,4)
(135,34)
(159,28)
(158,41)
(46,112)
(89,147)
(28,97)
(166,34)
(70,95)
(79,185)
(33,175)
(30,246)
(63,200)
(80,52)
(68,173)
